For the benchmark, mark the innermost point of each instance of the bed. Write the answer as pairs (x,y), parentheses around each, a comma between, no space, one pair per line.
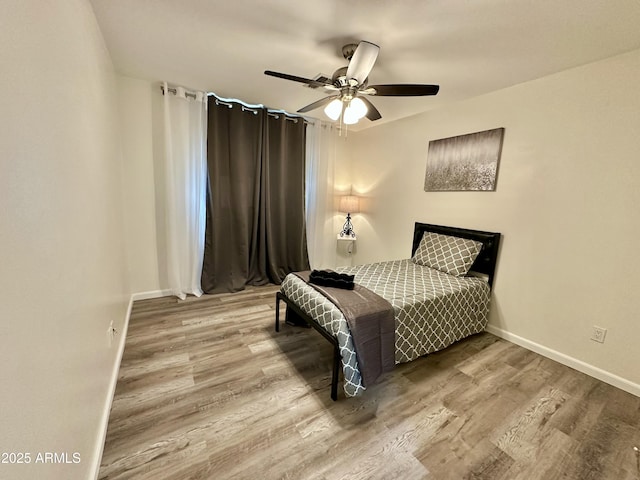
(439,296)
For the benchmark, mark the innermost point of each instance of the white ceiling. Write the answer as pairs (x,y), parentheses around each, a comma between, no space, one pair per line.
(468,47)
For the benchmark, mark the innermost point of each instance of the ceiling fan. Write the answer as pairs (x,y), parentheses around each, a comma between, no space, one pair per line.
(349,86)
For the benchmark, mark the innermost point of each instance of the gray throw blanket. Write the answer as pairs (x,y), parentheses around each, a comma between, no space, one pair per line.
(372,325)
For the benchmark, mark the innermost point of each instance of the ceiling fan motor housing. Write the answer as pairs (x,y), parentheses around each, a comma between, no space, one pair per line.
(348,50)
(341,81)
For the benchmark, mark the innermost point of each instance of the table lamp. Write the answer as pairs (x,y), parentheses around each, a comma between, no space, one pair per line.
(349,204)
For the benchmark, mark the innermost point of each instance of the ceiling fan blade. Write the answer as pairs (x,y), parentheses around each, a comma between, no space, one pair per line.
(318,104)
(295,78)
(362,61)
(405,90)
(372,112)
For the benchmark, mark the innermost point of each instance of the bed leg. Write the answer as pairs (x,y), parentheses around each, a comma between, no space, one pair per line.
(278,312)
(336,373)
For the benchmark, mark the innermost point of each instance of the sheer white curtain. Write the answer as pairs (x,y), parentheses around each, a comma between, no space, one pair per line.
(185,128)
(320,178)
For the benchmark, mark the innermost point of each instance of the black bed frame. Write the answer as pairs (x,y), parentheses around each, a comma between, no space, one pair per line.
(485,264)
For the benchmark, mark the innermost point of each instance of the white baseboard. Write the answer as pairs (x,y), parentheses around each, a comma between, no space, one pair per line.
(574,363)
(151,294)
(104,421)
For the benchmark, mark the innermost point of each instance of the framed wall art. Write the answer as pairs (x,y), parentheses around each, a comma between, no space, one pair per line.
(464,163)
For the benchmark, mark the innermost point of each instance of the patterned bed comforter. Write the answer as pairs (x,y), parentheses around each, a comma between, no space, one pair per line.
(432,310)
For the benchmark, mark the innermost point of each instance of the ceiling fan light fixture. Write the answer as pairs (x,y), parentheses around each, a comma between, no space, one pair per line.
(349,118)
(354,111)
(348,83)
(334,109)
(359,108)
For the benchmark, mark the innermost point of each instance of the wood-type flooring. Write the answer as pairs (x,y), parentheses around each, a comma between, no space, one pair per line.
(208,390)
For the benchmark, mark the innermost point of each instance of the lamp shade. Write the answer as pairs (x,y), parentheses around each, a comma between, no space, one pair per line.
(352,110)
(349,117)
(334,109)
(358,107)
(349,204)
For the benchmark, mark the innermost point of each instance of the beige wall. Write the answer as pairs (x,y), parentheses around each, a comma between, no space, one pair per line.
(62,265)
(567,203)
(141,128)
(336,252)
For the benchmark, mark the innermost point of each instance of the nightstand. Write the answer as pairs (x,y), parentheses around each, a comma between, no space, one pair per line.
(351,240)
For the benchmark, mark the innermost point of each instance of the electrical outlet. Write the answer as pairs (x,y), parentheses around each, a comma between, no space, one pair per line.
(598,334)
(111,333)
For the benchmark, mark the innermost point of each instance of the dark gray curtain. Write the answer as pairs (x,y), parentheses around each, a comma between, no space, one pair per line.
(255,230)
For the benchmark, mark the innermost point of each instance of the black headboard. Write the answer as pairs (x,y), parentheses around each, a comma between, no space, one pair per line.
(488,256)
